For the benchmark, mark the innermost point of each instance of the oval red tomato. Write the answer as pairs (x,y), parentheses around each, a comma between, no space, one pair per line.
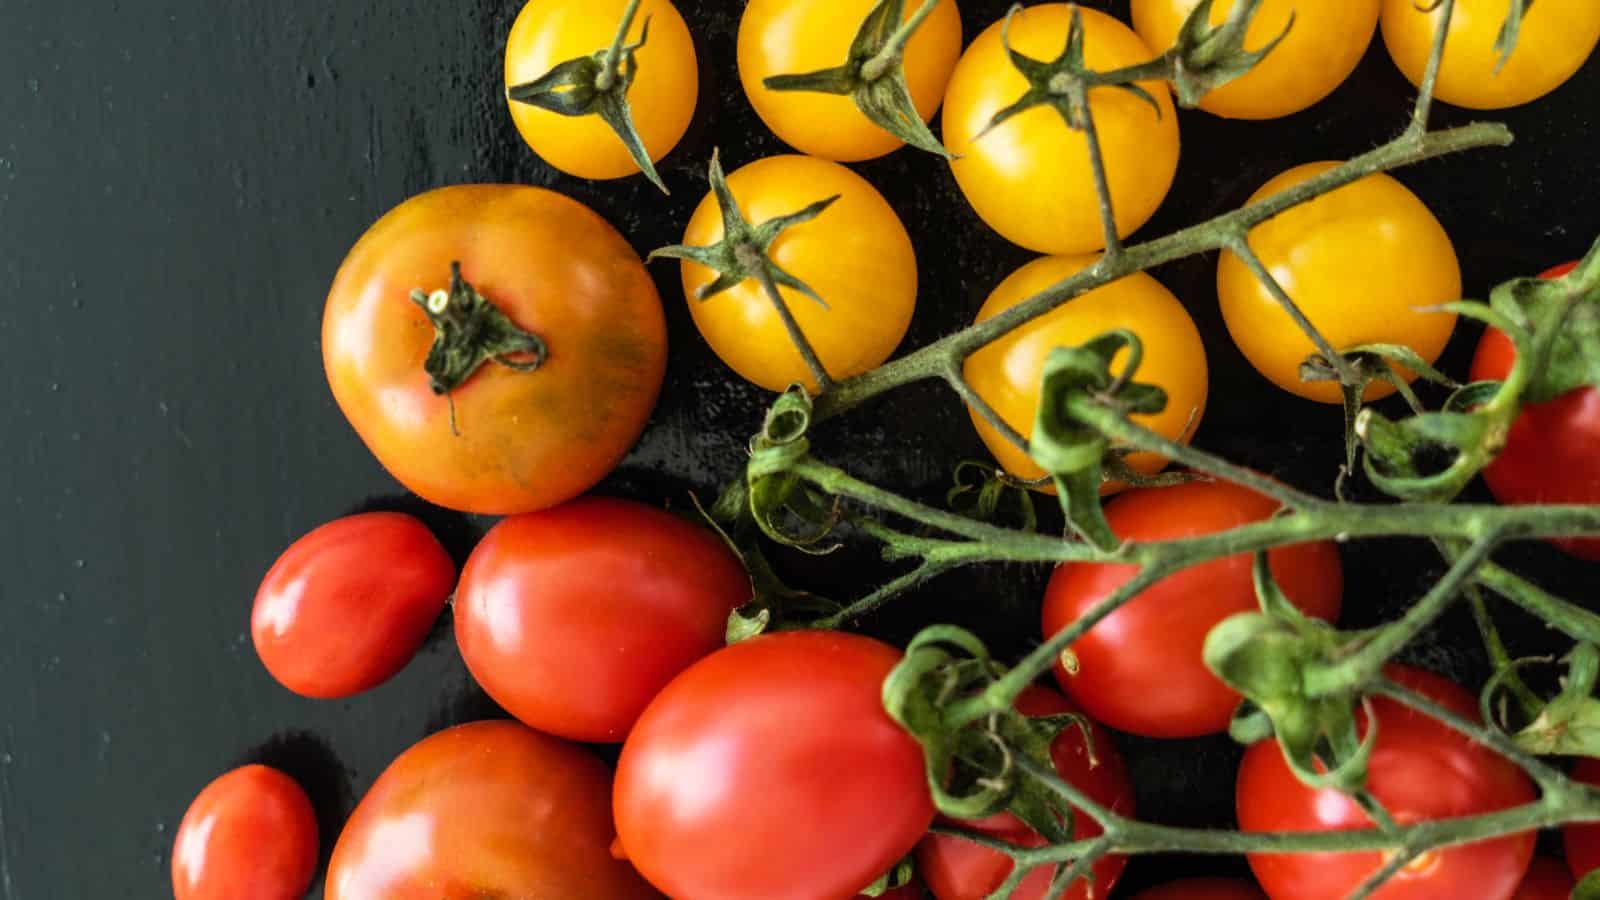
(1583,841)
(250,835)
(1420,770)
(769,769)
(347,606)
(1204,889)
(490,809)
(1550,454)
(1547,879)
(574,618)
(1141,669)
(961,870)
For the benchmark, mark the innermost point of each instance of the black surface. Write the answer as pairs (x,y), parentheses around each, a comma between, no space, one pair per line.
(178,182)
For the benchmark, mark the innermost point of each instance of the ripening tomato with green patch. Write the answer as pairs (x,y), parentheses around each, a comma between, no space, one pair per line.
(1547,879)
(250,835)
(574,618)
(1582,842)
(770,769)
(1366,263)
(497,347)
(1420,770)
(794,37)
(1554,41)
(1203,889)
(1141,669)
(1316,55)
(1030,178)
(1008,373)
(1087,759)
(489,809)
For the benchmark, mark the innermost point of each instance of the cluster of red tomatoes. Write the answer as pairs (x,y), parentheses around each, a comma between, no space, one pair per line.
(500,348)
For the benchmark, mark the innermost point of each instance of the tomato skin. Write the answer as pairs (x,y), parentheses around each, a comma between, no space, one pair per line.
(770,769)
(1582,842)
(489,809)
(1141,669)
(1203,889)
(857,256)
(249,835)
(1547,879)
(1373,230)
(345,608)
(522,440)
(574,618)
(1007,373)
(1549,454)
(1420,769)
(1319,53)
(790,37)
(1553,44)
(960,870)
(1030,179)
(661,100)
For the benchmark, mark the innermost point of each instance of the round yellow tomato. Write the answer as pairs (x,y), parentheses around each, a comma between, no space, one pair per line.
(856,256)
(1556,37)
(792,37)
(1030,178)
(1321,50)
(662,98)
(1363,263)
(1007,373)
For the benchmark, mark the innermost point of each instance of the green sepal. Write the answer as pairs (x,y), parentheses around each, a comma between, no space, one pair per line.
(980,497)
(1505,42)
(1559,319)
(1206,57)
(778,496)
(1588,888)
(894,879)
(1396,451)
(470,332)
(1569,725)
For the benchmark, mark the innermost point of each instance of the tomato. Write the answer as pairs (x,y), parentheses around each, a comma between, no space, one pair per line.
(1583,841)
(574,618)
(490,809)
(770,769)
(1364,263)
(1319,53)
(1141,669)
(250,835)
(792,37)
(1549,454)
(856,256)
(1556,37)
(661,99)
(1203,889)
(346,607)
(503,441)
(1008,373)
(1547,879)
(1420,770)
(1030,178)
(961,870)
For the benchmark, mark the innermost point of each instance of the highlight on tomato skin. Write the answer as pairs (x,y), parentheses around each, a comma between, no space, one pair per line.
(249,835)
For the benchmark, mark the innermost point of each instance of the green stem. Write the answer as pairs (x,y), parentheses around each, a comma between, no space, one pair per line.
(608,63)
(1430,75)
(1242,249)
(894,49)
(1097,165)
(1574,620)
(970,396)
(1527,701)
(1079,868)
(751,257)
(1547,777)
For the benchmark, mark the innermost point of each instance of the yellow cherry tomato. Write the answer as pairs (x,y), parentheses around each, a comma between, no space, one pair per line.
(1363,263)
(662,98)
(1030,178)
(1328,39)
(1556,37)
(1007,373)
(792,37)
(856,255)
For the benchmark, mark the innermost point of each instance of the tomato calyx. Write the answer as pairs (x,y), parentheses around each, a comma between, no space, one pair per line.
(597,85)
(896,878)
(469,332)
(1206,57)
(1569,724)
(873,75)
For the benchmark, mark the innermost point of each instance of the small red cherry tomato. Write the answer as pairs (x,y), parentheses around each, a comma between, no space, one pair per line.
(250,835)
(961,870)
(1583,841)
(1547,879)
(347,606)
(575,617)
(1204,889)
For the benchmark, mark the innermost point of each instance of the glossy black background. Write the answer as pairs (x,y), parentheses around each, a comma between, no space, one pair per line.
(180,179)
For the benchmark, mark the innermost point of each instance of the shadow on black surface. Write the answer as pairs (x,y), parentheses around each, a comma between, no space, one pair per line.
(310,761)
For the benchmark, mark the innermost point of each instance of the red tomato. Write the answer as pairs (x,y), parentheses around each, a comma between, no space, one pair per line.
(961,870)
(1550,453)
(1547,879)
(490,809)
(1420,769)
(574,618)
(1140,670)
(1204,889)
(347,606)
(1583,841)
(770,769)
(250,835)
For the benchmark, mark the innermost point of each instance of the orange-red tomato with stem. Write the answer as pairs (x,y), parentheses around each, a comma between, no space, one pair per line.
(250,835)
